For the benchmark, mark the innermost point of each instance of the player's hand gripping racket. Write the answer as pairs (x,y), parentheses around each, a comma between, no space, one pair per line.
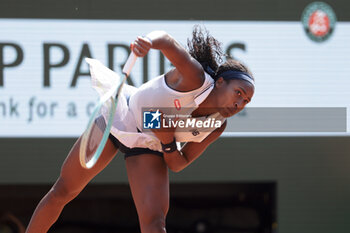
(98,129)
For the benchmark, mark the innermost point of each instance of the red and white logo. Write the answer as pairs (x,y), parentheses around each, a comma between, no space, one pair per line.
(177,104)
(319,21)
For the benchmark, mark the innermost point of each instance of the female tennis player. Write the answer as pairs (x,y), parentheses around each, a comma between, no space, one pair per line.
(198,83)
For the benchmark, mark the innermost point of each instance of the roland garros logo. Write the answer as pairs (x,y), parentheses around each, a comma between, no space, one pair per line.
(318,20)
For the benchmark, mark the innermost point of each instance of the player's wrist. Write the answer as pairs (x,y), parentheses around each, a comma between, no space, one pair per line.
(169,147)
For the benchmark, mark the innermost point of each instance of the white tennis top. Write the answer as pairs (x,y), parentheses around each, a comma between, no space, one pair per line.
(153,95)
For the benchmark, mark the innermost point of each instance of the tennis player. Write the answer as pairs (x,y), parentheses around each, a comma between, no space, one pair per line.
(197,83)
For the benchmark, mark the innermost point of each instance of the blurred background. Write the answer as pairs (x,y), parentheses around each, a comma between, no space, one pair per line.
(282,165)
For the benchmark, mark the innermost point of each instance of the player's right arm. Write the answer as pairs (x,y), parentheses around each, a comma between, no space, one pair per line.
(192,73)
(178,160)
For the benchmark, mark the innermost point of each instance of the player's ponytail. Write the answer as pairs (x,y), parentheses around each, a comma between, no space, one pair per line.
(205,49)
(208,52)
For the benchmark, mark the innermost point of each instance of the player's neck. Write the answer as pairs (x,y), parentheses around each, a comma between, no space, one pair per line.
(206,108)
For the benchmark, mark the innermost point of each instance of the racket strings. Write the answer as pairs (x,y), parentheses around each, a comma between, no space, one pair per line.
(100,122)
(95,136)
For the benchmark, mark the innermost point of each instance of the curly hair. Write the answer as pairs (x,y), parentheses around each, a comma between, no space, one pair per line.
(208,52)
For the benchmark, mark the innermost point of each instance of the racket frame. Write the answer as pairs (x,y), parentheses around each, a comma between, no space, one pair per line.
(112,95)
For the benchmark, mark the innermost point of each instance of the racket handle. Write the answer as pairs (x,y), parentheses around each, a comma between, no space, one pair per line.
(129,63)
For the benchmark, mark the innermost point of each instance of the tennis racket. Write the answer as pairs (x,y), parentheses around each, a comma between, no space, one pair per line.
(100,122)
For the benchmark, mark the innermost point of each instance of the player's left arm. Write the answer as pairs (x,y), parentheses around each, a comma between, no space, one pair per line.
(178,160)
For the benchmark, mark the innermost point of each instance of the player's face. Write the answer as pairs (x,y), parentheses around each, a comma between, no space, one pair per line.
(232,96)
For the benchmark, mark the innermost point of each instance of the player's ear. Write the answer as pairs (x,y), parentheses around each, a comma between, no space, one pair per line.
(220,82)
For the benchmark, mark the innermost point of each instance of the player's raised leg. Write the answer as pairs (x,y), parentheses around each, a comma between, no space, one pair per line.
(72,180)
(149,183)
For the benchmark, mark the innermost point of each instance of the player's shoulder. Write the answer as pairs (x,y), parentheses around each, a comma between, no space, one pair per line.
(175,80)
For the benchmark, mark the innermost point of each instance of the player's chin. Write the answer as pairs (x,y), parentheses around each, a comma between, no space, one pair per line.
(225,113)
(231,115)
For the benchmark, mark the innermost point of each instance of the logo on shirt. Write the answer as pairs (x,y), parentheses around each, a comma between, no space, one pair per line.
(195,132)
(151,119)
(177,104)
